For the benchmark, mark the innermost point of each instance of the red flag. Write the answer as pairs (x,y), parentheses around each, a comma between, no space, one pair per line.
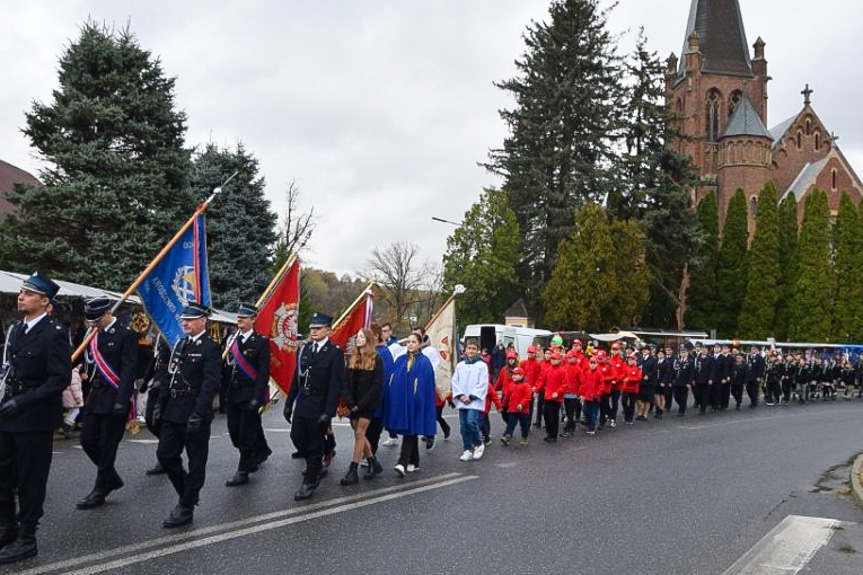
(277,319)
(358,316)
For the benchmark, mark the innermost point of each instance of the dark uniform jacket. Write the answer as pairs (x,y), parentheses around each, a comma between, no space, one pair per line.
(119,347)
(317,382)
(721,367)
(241,388)
(739,373)
(684,371)
(41,369)
(755,367)
(649,371)
(192,388)
(665,369)
(703,368)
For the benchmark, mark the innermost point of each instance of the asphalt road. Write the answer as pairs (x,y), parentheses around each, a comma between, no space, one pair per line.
(678,496)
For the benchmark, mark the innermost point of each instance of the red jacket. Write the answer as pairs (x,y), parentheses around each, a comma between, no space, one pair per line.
(553,381)
(531,369)
(618,365)
(503,383)
(520,394)
(573,378)
(581,360)
(608,375)
(592,384)
(491,396)
(631,379)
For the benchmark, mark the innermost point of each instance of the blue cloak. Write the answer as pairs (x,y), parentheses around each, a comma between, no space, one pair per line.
(387,358)
(409,404)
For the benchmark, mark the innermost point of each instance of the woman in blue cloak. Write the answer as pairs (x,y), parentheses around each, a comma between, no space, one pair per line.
(409,406)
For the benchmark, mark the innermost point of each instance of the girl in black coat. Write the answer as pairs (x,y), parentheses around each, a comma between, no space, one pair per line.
(364,380)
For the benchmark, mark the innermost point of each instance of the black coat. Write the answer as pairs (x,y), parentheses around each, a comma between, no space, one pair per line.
(317,383)
(119,347)
(41,362)
(363,388)
(703,368)
(199,368)
(721,367)
(649,371)
(684,371)
(755,367)
(665,369)
(241,388)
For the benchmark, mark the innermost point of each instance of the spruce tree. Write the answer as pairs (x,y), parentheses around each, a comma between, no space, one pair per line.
(848,265)
(789,230)
(632,276)
(482,255)
(757,320)
(583,284)
(562,131)
(731,273)
(701,294)
(813,290)
(654,186)
(241,228)
(116,176)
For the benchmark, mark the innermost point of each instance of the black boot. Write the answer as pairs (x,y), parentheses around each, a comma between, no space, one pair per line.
(95,498)
(23,547)
(239,478)
(179,516)
(156,469)
(8,525)
(351,477)
(305,491)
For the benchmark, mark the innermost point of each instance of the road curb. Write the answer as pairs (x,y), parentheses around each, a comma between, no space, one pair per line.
(856,480)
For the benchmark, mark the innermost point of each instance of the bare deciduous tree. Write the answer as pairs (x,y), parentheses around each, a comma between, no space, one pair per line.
(296,226)
(401,274)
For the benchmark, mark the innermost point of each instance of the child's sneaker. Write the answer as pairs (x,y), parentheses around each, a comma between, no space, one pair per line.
(522,442)
(591,432)
(505,439)
(466,456)
(478,451)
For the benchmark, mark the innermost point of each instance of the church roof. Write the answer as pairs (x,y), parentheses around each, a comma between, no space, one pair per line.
(722,38)
(778,132)
(806,178)
(746,122)
(9,176)
(517,309)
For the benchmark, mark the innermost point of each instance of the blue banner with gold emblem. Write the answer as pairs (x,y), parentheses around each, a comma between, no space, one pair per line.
(179,278)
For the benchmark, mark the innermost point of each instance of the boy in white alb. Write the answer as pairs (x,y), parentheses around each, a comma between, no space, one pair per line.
(469,388)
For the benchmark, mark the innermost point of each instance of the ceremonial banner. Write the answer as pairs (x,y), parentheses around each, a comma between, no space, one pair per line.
(442,336)
(179,278)
(356,317)
(277,319)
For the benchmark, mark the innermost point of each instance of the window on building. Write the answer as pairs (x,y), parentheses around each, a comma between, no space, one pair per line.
(734,101)
(808,126)
(799,140)
(753,206)
(817,141)
(833,178)
(714,100)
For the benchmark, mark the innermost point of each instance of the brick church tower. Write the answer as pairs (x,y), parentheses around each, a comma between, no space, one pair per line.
(719,92)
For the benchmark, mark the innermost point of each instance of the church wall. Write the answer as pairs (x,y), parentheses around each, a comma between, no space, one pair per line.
(789,159)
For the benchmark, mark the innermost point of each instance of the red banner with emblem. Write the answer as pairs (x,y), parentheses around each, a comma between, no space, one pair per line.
(357,316)
(277,319)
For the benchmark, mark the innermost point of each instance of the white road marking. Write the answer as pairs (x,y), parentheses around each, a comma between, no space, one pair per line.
(159,541)
(144,441)
(787,548)
(277,429)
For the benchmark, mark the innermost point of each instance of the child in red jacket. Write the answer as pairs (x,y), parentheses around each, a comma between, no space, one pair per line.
(571,403)
(520,397)
(590,391)
(631,380)
(484,423)
(552,384)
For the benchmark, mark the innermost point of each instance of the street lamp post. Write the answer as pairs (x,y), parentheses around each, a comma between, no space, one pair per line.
(437,219)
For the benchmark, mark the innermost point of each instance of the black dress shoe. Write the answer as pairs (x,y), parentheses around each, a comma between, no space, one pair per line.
(23,547)
(239,478)
(113,484)
(298,455)
(8,534)
(95,498)
(179,516)
(263,456)
(156,470)
(305,491)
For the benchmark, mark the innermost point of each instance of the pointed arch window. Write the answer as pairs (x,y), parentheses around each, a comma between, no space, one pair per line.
(753,206)
(714,101)
(734,101)
(799,140)
(808,126)
(817,141)
(833,178)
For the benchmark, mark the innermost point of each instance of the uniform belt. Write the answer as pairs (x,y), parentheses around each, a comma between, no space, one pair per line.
(175,393)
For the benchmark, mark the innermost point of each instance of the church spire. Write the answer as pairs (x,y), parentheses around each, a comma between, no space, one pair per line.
(722,38)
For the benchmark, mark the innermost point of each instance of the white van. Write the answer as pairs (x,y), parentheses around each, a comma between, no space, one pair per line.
(520,337)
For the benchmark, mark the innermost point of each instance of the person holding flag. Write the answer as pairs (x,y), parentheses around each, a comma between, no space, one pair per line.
(185,409)
(111,360)
(247,390)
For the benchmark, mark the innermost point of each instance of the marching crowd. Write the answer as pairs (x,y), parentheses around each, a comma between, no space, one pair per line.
(380,385)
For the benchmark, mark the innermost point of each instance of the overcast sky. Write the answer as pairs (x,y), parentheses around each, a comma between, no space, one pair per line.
(380,110)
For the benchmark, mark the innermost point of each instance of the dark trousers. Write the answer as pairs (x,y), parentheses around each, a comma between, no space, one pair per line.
(629,399)
(100,439)
(615,404)
(484,426)
(540,403)
(724,395)
(604,408)
(669,396)
(373,433)
(716,396)
(752,392)
(444,426)
(410,453)
(551,412)
(152,399)
(786,390)
(590,410)
(774,392)
(309,438)
(520,419)
(737,393)
(247,435)
(25,461)
(703,391)
(173,440)
(572,408)
(681,397)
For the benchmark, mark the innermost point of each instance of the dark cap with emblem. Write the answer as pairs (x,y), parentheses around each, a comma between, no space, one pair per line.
(96,307)
(320,320)
(247,310)
(41,284)
(194,311)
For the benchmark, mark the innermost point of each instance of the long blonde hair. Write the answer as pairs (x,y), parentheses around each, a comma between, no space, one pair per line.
(364,357)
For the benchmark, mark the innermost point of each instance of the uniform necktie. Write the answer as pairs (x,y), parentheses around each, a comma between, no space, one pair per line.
(26,329)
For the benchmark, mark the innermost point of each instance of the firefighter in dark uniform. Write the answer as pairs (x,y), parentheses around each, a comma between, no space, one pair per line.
(754,372)
(703,378)
(315,388)
(157,377)
(36,368)
(185,410)
(111,360)
(249,358)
